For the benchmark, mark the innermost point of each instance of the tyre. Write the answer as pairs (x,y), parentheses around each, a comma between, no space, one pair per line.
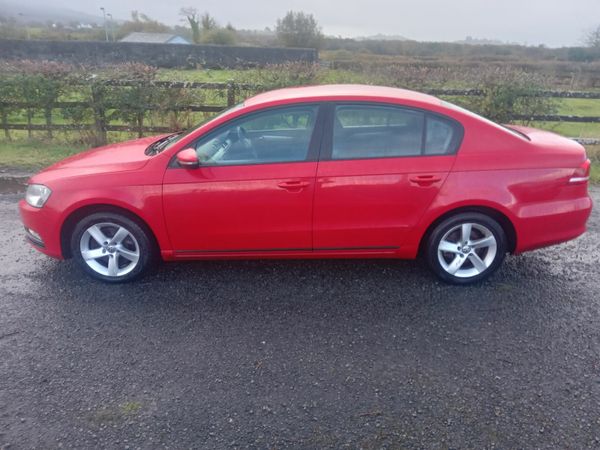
(466,248)
(111,247)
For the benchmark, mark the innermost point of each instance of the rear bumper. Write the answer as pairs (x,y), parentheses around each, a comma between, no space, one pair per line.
(549,223)
(41,230)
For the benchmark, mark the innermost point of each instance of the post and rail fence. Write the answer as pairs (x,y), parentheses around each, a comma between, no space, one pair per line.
(230,91)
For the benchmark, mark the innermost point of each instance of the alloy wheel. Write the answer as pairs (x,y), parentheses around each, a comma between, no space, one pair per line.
(467,250)
(109,249)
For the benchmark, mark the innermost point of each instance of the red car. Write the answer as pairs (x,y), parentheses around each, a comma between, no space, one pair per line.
(316,172)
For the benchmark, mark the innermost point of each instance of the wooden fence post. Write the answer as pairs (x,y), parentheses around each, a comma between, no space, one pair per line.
(140,124)
(5,124)
(29,118)
(48,114)
(99,114)
(230,93)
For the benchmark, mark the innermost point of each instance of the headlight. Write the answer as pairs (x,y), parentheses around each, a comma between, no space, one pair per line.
(37,195)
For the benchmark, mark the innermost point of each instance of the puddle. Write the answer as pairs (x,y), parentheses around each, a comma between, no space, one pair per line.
(12,185)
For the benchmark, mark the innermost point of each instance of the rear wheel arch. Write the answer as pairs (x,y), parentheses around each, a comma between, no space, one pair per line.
(75,216)
(500,217)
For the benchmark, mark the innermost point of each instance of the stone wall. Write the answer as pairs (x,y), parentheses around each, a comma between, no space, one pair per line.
(159,55)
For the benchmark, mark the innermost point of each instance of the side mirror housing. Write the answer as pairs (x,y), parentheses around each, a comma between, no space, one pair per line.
(188,159)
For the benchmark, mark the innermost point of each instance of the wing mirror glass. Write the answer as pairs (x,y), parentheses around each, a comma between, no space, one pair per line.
(188,159)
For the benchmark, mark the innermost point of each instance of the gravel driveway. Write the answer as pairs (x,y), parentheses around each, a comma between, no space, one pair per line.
(301,354)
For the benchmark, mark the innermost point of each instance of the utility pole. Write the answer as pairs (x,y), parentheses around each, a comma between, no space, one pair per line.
(104,17)
(111,26)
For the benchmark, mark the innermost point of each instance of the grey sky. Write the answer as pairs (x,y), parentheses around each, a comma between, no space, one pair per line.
(552,22)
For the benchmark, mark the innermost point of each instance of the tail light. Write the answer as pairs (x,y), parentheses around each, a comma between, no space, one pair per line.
(581,175)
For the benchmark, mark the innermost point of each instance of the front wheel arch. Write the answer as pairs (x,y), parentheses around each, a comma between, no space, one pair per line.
(501,218)
(75,216)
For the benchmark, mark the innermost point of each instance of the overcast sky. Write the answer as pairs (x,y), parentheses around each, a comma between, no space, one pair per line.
(551,22)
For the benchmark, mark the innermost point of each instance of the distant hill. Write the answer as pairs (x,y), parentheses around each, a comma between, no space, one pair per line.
(382,37)
(476,41)
(42,12)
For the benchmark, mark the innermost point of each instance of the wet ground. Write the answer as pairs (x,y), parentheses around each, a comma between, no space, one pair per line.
(300,354)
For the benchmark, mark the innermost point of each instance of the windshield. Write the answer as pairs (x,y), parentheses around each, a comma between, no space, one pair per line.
(178,137)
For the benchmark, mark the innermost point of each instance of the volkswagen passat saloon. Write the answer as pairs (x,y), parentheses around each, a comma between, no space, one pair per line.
(342,171)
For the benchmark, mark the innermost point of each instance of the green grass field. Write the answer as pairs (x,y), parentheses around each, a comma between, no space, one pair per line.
(34,154)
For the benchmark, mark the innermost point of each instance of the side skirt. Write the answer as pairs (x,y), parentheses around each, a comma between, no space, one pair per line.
(368,252)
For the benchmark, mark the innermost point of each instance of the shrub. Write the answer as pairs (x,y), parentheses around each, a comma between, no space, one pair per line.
(274,76)
(39,83)
(509,93)
(220,36)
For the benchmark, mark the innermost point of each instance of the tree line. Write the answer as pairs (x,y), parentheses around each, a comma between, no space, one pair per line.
(294,29)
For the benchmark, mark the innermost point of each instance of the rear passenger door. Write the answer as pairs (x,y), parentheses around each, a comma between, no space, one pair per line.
(381,166)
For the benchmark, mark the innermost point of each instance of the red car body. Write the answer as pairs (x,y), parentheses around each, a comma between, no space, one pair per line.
(534,182)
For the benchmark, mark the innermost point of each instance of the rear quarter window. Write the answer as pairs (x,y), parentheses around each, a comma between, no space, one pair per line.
(440,136)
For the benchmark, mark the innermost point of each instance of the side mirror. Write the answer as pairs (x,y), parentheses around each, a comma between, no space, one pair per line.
(188,159)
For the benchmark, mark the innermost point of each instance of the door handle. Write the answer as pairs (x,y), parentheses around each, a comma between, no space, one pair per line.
(293,185)
(425,180)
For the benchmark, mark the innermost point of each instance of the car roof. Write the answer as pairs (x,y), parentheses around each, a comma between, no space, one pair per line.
(341,92)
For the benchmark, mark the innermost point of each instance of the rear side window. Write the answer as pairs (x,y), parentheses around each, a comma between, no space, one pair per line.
(378,131)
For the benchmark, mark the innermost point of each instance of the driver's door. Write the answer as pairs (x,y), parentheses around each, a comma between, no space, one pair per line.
(253,191)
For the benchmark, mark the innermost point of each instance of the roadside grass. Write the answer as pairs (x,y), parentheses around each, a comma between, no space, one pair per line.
(593,152)
(35,154)
(595,173)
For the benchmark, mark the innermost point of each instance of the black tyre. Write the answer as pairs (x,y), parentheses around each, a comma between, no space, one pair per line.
(466,248)
(111,247)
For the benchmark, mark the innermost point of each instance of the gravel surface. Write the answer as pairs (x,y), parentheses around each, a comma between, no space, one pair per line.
(301,354)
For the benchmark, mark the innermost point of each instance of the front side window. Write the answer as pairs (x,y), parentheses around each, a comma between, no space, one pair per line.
(379,131)
(277,135)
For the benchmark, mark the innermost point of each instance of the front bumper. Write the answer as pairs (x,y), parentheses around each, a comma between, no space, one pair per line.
(42,229)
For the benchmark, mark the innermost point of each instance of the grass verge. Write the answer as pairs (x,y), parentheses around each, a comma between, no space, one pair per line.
(34,154)
(593,152)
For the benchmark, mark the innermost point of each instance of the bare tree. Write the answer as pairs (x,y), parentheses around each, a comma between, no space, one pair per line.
(592,39)
(191,15)
(208,22)
(141,23)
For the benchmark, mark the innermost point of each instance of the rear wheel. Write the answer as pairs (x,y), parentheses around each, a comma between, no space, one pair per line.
(466,248)
(111,247)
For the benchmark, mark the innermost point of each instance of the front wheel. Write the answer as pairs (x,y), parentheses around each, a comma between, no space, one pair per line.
(466,248)
(111,247)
